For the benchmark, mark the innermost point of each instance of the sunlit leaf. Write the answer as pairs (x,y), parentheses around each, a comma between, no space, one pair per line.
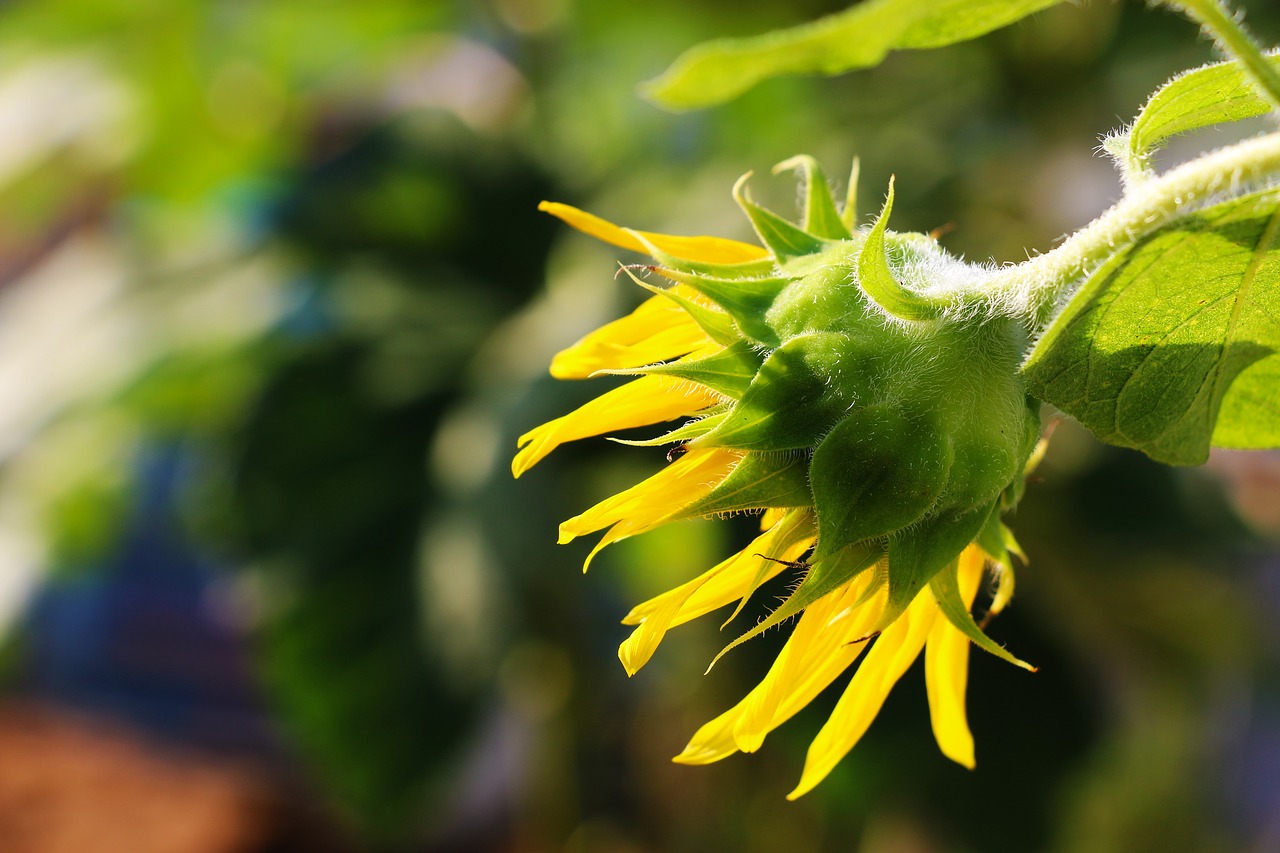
(858,37)
(1172,345)
(1202,97)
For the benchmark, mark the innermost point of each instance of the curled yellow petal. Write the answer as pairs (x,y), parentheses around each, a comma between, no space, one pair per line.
(647,400)
(748,571)
(649,503)
(712,250)
(730,580)
(946,670)
(658,330)
(834,633)
(828,638)
(890,656)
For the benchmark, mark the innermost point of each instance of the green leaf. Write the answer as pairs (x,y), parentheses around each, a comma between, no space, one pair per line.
(1172,345)
(1202,97)
(945,587)
(858,37)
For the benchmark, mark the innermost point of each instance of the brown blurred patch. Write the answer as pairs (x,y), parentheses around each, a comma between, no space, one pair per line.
(1252,479)
(70,784)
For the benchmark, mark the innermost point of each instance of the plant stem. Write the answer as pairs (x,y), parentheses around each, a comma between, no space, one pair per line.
(1234,41)
(1036,288)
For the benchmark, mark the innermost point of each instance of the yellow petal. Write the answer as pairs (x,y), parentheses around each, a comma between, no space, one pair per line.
(712,250)
(890,656)
(771,516)
(658,330)
(946,670)
(827,639)
(648,504)
(713,741)
(647,400)
(830,635)
(1004,575)
(730,580)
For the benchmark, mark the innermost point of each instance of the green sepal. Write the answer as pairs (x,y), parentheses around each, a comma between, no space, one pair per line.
(745,300)
(792,402)
(1011,544)
(760,480)
(821,217)
(1012,494)
(877,279)
(734,272)
(916,555)
(945,586)
(728,372)
(784,239)
(880,470)
(796,526)
(991,540)
(849,217)
(718,325)
(823,578)
(684,432)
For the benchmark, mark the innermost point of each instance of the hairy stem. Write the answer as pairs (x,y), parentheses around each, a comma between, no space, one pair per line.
(1036,288)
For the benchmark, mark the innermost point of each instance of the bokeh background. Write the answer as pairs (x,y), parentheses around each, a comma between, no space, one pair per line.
(275,303)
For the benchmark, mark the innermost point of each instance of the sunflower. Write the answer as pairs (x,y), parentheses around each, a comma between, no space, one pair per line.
(829,380)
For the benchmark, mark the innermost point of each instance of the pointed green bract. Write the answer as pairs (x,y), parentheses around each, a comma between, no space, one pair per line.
(918,554)
(718,325)
(991,540)
(945,586)
(759,480)
(794,530)
(878,281)
(1172,346)
(822,578)
(686,432)
(746,300)
(849,216)
(785,240)
(880,470)
(729,371)
(821,217)
(858,37)
(791,403)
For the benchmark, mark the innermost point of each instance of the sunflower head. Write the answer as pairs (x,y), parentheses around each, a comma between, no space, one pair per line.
(831,379)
